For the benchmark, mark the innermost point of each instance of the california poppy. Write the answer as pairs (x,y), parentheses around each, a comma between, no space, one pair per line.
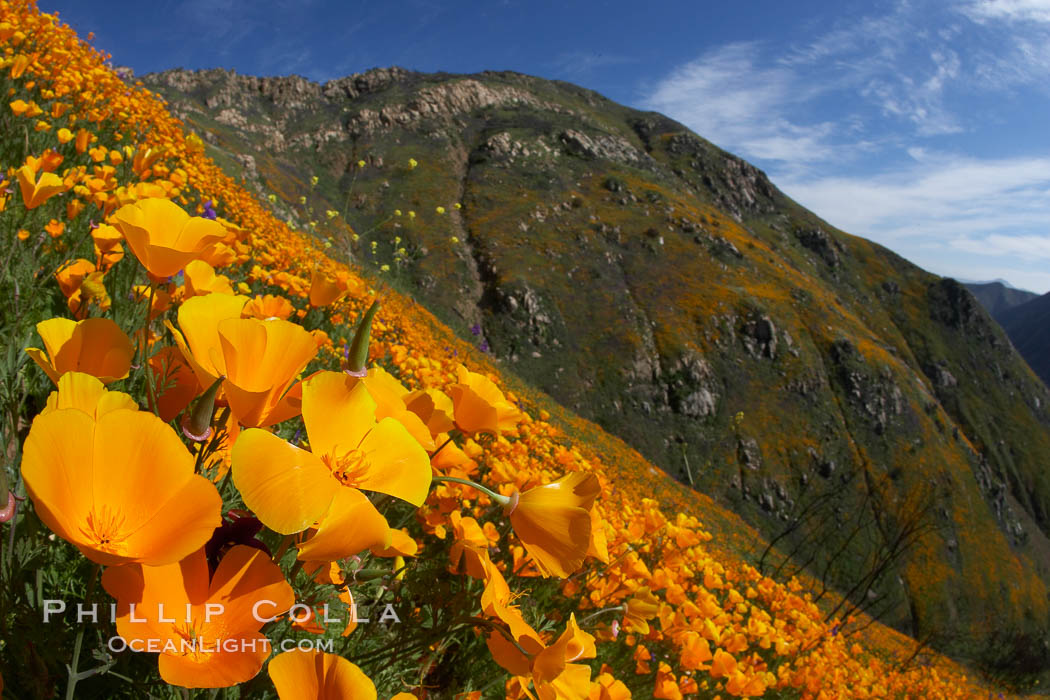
(290,489)
(315,675)
(554,523)
(324,290)
(119,486)
(206,627)
(433,407)
(164,237)
(88,394)
(268,307)
(201,279)
(95,346)
(70,276)
(639,609)
(262,360)
(480,407)
(36,191)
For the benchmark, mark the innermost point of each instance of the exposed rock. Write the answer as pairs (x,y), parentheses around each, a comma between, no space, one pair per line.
(605,146)
(818,240)
(358,84)
(760,337)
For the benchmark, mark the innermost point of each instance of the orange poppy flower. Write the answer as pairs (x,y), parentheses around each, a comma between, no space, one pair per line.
(480,407)
(497,598)
(107,245)
(433,407)
(37,191)
(638,609)
(389,394)
(70,276)
(88,394)
(262,360)
(164,237)
(599,546)
(219,645)
(121,487)
(19,65)
(554,523)
(290,489)
(324,290)
(95,346)
(84,137)
(201,279)
(722,664)
(606,687)
(315,675)
(268,307)
(92,291)
(199,319)
(573,644)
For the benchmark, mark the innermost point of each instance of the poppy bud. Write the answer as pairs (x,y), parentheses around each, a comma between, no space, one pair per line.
(359,347)
(196,425)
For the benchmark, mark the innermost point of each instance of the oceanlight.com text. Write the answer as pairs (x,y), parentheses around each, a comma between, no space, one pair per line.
(202,645)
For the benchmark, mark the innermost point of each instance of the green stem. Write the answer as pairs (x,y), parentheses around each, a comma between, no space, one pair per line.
(502,500)
(618,608)
(145,350)
(74,676)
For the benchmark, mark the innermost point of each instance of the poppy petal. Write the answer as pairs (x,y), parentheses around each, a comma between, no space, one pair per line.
(398,466)
(288,489)
(351,526)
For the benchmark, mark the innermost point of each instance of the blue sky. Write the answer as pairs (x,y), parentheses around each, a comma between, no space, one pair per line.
(922,125)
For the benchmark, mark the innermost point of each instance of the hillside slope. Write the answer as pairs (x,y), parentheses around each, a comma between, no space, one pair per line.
(868,415)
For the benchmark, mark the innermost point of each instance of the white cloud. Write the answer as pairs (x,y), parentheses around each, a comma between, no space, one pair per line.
(735,103)
(1010,10)
(861,96)
(967,217)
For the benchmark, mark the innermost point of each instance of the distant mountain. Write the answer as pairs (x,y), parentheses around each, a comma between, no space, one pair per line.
(1028,326)
(867,416)
(998,296)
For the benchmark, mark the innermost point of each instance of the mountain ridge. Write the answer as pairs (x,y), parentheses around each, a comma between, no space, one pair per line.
(667,290)
(1027,325)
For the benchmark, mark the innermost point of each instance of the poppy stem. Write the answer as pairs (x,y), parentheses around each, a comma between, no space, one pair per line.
(618,608)
(73,675)
(502,500)
(145,350)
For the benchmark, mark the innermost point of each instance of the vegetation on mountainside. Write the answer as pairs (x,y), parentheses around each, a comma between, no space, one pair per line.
(661,287)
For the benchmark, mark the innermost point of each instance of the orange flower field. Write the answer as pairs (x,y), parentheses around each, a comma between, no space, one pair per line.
(235,463)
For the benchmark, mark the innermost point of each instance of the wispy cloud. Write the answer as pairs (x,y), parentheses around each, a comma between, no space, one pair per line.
(937,198)
(1010,10)
(951,214)
(844,118)
(575,65)
(732,100)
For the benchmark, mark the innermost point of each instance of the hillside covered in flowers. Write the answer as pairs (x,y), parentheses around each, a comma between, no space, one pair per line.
(266,472)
